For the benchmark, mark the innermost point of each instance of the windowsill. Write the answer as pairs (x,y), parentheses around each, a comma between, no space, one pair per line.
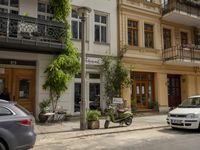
(102,43)
(142,48)
(79,40)
(153,4)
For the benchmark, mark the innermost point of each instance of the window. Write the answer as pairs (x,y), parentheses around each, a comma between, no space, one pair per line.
(94,76)
(167,38)
(132,33)
(44,11)
(76,25)
(9,6)
(5,111)
(184,38)
(148,33)
(100,28)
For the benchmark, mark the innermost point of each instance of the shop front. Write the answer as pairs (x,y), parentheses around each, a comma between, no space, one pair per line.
(18,82)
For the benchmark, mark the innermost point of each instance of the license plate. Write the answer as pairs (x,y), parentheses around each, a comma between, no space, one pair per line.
(176,121)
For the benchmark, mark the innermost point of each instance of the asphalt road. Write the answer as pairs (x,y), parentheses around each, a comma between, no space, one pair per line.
(154,139)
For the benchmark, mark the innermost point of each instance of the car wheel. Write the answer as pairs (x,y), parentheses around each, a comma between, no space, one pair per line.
(2,146)
(199,128)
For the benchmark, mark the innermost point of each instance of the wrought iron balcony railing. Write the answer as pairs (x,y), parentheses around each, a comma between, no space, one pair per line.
(23,30)
(189,53)
(187,6)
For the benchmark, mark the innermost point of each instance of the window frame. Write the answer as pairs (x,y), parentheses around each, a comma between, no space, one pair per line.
(10,8)
(100,25)
(149,32)
(186,39)
(45,14)
(78,20)
(133,29)
(170,38)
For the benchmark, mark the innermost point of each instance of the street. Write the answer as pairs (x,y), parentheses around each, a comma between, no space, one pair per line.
(151,139)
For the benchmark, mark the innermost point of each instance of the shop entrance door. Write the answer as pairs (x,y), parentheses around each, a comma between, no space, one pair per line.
(141,88)
(21,86)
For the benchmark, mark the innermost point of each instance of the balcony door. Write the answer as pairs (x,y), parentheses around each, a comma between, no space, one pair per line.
(184,38)
(167,38)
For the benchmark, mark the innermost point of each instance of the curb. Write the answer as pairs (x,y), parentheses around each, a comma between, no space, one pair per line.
(113,132)
(104,133)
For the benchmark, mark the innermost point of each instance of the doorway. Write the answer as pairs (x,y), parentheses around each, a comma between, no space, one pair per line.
(141,94)
(21,86)
(174,90)
(142,89)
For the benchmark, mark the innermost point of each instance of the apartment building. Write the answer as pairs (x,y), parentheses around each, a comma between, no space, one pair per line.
(101,40)
(162,55)
(30,39)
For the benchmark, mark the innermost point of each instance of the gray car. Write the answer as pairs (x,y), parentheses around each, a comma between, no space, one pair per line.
(16,127)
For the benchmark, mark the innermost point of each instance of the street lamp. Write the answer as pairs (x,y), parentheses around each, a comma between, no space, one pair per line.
(82,12)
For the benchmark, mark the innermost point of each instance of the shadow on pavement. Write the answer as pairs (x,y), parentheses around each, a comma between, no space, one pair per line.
(179,131)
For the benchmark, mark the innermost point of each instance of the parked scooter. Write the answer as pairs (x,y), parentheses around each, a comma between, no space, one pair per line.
(118,116)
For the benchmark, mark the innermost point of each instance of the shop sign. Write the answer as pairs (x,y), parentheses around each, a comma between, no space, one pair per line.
(93,61)
(117,100)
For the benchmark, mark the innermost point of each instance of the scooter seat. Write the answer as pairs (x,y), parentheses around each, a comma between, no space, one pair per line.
(121,110)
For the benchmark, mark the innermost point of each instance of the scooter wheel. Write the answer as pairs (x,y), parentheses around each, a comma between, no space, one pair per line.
(128,121)
(106,125)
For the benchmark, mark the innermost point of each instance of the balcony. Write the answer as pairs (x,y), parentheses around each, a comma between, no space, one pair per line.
(178,11)
(27,34)
(182,54)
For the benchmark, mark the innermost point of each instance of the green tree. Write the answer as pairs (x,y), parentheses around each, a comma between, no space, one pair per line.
(64,66)
(116,77)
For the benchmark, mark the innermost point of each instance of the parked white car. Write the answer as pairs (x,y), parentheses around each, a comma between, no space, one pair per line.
(186,115)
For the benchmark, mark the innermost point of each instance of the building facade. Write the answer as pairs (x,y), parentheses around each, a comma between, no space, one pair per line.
(162,55)
(30,39)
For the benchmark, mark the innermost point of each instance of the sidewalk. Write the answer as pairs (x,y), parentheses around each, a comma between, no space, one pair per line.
(73,127)
(51,133)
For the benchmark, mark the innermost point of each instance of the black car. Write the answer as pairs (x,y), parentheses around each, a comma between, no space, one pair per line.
(16,127)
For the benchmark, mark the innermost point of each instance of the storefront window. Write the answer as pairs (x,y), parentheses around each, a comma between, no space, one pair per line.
(77,97)
(94,96)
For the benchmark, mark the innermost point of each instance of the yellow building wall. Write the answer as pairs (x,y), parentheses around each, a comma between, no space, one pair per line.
(184,87)
(191,85)
(198,85)
(161,89)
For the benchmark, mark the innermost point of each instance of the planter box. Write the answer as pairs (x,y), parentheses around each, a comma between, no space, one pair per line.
(93,124)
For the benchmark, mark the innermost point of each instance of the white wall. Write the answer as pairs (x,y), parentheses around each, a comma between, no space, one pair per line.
(108,7)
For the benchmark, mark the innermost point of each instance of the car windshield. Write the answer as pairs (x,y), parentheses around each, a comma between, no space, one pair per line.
(191,103)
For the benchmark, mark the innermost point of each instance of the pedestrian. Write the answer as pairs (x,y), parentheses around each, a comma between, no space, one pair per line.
(5,95)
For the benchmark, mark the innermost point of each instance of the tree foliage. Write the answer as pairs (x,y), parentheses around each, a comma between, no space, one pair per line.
(63,68)
(116,77)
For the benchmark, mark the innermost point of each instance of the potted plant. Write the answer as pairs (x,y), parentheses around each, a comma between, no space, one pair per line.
(93,117)
(156,105)
(44,108)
